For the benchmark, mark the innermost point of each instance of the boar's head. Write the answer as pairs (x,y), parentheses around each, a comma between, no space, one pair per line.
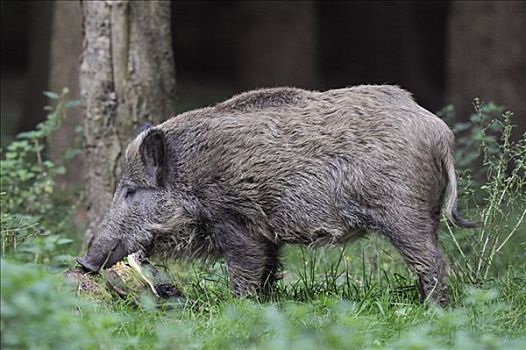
(142,202)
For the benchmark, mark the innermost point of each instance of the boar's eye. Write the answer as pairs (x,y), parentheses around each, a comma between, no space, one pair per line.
(130,192)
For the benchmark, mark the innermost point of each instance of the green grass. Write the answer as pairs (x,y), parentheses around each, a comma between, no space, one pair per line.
(360,297)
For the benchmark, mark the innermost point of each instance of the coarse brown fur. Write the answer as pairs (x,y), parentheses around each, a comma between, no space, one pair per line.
(287,166)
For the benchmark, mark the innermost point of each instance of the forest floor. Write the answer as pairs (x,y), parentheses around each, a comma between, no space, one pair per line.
(331,298)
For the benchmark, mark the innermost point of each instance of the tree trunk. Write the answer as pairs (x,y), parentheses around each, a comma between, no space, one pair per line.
(65,50)
(126,78)
(487,51)
(279,44)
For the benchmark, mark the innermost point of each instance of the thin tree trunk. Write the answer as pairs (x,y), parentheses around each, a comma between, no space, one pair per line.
(65,50)
(487,50)
(126,78)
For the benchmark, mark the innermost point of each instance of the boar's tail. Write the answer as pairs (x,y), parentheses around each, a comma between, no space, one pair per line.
(451,196)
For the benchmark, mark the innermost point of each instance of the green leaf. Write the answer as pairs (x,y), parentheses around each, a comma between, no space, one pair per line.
(72,104)
(476,118)
(62,241)
(48,164)
(462,126)
(60,170)
(72,153)
(29,135)
(48,187)
(52,95)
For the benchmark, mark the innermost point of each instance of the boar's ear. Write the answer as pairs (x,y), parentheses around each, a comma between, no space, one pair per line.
(153,154)
(144,126)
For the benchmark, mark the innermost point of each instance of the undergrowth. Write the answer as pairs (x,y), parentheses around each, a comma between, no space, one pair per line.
(355,297)
(35,217)
(495,193)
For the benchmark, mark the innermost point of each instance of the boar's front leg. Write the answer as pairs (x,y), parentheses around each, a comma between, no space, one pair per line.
(252,267)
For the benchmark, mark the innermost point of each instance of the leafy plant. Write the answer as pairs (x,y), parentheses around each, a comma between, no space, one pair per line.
(482,128)
(41,311)
(27,194)
(496,192)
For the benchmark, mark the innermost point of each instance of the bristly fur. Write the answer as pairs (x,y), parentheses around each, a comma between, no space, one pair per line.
(276,166)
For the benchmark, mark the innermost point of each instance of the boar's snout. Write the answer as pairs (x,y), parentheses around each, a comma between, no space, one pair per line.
(102,256)
(87,264)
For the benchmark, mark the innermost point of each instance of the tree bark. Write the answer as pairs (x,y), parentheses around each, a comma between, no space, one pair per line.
(126,78)
(486,57)
(279,44)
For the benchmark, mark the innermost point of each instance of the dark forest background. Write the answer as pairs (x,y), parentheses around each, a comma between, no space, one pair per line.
(443,52)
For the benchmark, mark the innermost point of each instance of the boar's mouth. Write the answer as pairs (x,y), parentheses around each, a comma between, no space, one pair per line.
(98,257)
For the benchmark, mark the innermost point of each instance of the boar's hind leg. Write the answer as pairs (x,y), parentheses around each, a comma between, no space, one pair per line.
(252,268)
(419,250)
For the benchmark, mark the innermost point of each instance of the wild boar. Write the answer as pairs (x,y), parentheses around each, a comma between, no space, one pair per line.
(286,166)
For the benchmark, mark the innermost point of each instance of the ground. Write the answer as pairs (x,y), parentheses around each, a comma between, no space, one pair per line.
(331,298)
